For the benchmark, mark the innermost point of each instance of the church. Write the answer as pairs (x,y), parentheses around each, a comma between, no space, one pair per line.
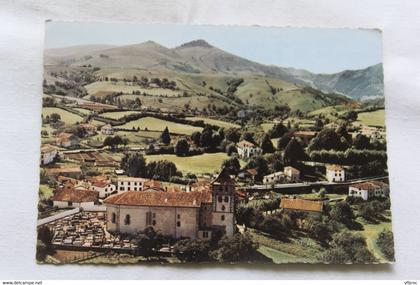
(196,214)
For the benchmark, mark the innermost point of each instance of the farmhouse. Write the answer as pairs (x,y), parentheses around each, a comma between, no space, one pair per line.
(195,214)
(291,173)
(273,178)
(107,130)
(311,207)
(335,173)
(89,128)
(103,185)
(74,198)
(67,140)
(367,190)
(247,149)
(130,184)
(48,154)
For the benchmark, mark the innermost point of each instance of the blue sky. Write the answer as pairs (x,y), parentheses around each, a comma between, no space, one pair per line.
(320,50)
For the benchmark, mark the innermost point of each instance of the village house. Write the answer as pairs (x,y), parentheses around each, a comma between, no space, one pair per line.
(291,174)
(247,149)
(74,198)
(48,154)
(107,130)
(368,190)
(103,185)
(195,214)
(130,184)
(248,174)
(274,178)
(335,173)
(67,140)
(89,128)
(311,207)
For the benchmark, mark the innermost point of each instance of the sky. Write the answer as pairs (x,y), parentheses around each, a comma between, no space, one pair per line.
(319,50)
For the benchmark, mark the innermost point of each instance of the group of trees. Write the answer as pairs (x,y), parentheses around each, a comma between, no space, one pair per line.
(114,142)
(239,247)
(135,165)
(44,243)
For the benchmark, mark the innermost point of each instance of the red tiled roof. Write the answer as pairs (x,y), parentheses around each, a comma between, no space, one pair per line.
(252,171)
(75,195)
(334,167)
(244,143)
(301,205)
(162,199)
(370,185)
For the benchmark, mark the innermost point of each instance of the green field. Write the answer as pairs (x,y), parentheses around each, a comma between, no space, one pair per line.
(303,123)
(371,232)
(66,116)
(45,192)
(198,164)
(135,139)
(83,111)
(153,124)
(330,112)
(374,118)
(101,88)
(118,115)
(220,123)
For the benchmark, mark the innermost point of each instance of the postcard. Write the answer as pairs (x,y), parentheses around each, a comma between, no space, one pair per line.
(212,144)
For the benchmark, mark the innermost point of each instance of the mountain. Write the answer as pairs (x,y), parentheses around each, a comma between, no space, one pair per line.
(359,84)
(200,57)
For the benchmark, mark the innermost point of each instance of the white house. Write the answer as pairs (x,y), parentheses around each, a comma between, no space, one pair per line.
(48,154)
(130,184)
(291,173)
(247,149)
(107,130)
(103,185)
(74,198)
(367,190)
(335,173)
(273,178)
(67,140)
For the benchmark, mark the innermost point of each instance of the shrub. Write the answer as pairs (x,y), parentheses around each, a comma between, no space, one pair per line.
(385,241)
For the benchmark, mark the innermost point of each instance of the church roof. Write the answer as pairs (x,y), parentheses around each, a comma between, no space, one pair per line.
(223,178)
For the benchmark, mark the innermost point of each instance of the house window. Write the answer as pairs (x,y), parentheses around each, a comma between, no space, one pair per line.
(70,203)
(114,218)
(148,218)
(222,217)
(226,199)
(127,220)
(223,207)
(178,224)
(178,216)
(205,234)
(121,188)
(220,199)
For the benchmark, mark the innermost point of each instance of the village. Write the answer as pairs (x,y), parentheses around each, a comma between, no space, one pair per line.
(151,165)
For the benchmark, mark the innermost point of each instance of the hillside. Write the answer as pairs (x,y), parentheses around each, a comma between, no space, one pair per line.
(200,57)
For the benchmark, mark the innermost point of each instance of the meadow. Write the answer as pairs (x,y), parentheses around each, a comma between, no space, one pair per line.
(374,118)
(198,164)
(118,115)
(154,124)
(66,116)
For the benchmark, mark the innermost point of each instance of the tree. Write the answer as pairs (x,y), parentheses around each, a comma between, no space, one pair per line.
(385,241)
(361,142)
(206,138)
(147,242)
(284,140)
(195,136)
(165,137)
(318,124)
(248,137)
(182,147)
(278,130)
(347,247)
(195,250)
(232,135)
(239,247)
(232,165)
(326,139)
(54,118)
(44,243)
(231,148)
(266,144)
(260,164)
(293,152)
(134,165)
(342,212)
